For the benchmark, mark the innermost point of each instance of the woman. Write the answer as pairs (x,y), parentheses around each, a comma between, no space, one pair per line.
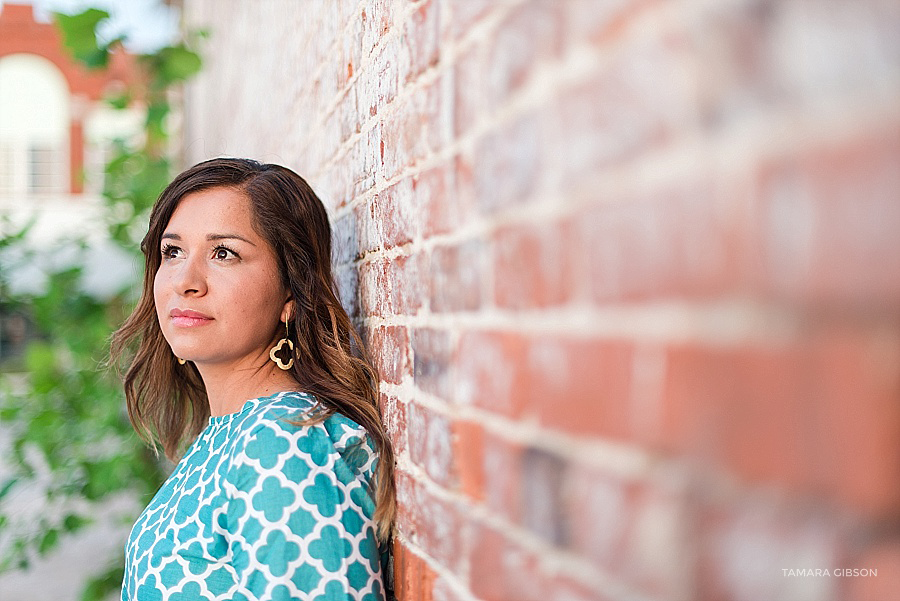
(244,352)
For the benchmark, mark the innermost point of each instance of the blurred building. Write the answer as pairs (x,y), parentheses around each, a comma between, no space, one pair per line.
(56,132)
(55,128)
(56,135)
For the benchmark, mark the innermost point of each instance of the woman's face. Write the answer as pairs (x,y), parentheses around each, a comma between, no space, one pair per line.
(219,298)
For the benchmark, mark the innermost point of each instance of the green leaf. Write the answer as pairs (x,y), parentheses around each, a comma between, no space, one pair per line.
(119,101)
(7,486)
(175,63)
(79,33)
(8,414)
(48,541)
(17,236)
(156,115)
(74,523)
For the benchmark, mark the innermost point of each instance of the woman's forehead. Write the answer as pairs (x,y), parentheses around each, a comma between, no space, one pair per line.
(212,211)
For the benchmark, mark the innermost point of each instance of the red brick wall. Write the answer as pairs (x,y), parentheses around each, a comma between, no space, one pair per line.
(630,271)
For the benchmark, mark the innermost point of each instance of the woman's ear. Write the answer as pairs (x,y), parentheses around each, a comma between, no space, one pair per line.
(287,311)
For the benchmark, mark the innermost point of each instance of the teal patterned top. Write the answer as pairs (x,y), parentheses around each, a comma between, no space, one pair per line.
(260,509)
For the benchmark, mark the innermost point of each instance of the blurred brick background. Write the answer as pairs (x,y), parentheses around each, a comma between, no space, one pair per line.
(630,271)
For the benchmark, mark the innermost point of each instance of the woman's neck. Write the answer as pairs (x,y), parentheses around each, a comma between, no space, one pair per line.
(229,386)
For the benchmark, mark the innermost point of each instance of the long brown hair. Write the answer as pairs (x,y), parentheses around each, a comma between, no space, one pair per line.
(167,402)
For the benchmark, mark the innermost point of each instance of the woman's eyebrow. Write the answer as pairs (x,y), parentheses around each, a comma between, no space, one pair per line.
(210,237)
(228,236)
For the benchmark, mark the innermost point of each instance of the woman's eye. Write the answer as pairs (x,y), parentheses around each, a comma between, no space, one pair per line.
(170,252)
(223,253)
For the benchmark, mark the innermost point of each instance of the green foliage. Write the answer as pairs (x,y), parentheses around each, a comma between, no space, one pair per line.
(69,421)
(101,585)
(62,409)
(172,64)
(80,36)
(134,178)
(138,172)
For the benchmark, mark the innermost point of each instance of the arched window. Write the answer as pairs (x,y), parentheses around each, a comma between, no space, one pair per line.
(34,127)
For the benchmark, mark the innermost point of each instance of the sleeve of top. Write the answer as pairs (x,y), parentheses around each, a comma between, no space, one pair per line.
(299,513)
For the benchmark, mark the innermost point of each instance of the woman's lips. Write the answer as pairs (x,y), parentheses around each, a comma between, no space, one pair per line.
(187,318)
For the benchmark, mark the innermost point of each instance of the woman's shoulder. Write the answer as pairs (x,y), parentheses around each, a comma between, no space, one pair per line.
(287,423)
(294,411)
(289,403)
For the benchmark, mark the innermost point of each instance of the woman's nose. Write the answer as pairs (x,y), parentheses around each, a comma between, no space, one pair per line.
(191,277)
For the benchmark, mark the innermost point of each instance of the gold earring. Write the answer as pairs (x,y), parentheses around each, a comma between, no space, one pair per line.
(277,349)
(180,360)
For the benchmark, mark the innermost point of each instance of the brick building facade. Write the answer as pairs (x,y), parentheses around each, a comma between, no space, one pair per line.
(21,35)
(630,271)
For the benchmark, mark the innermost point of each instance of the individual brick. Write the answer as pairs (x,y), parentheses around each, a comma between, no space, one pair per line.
(533,265)
(431,444)
(432,359)
(456,276)
(389,346)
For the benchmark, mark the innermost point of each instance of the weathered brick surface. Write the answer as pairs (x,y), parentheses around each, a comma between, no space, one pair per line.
(629,270)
